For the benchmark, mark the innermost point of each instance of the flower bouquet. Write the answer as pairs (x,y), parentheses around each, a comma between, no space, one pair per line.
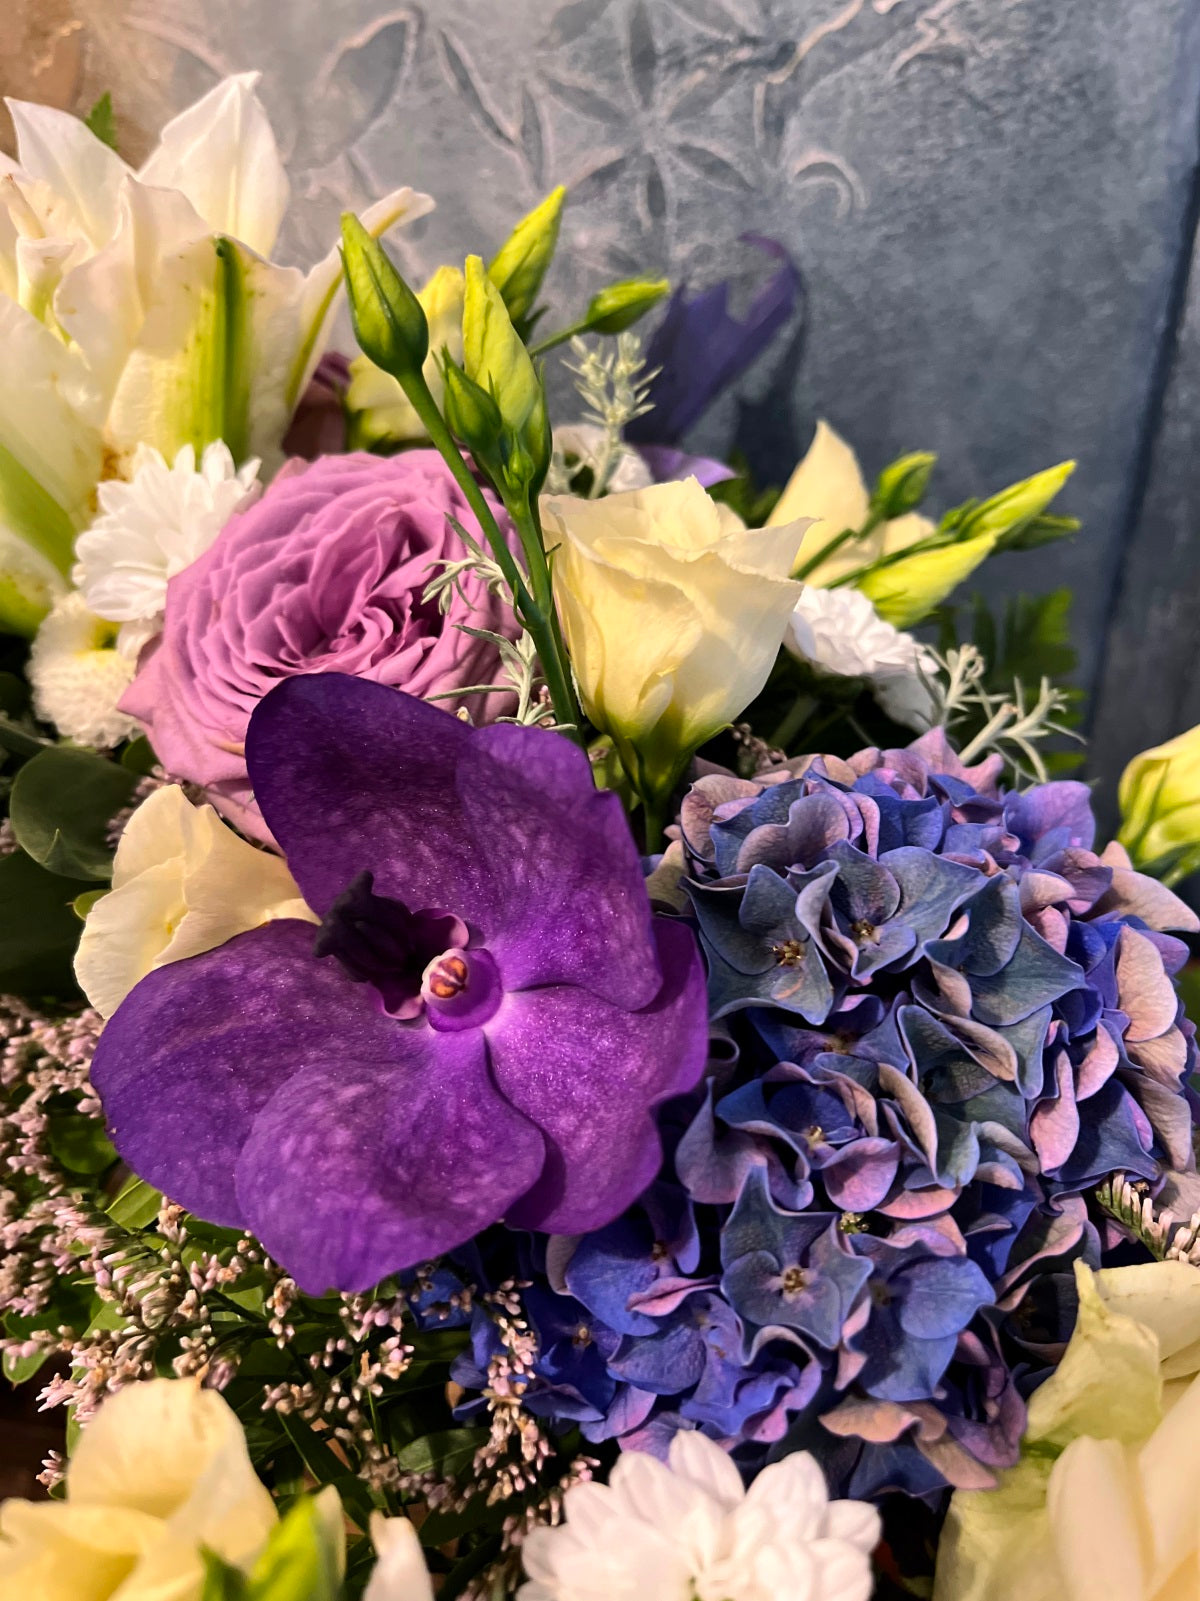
(552,1046)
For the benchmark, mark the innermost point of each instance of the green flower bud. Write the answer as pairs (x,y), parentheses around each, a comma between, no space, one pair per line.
(900,488)
(389,322)
(1016,512)
(494,356)
(1159,798)
(472,415)
(905,591)
(520,264)
(618,306)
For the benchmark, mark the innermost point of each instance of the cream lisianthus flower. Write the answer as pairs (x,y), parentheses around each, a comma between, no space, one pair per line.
(78,675)
(673,613)
(691,1529)
(183,882)
(828,485)
(153,527)
(161,1472)
(1106,1497)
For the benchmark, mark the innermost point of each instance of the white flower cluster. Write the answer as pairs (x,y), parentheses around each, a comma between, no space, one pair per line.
(691,1531)
(839,632)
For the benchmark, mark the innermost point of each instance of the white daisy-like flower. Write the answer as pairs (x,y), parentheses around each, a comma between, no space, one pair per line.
(78,676)
(692,1532)
(151,528)
(839,632)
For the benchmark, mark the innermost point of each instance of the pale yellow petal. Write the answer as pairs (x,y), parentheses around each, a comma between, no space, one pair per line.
(1095,1522)
(827,485)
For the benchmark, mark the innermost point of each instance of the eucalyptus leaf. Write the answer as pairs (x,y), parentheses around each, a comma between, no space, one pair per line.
(38,928)
(61,806)
(136,1204)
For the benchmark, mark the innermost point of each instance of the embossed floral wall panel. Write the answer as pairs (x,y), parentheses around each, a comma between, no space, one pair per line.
(988,199)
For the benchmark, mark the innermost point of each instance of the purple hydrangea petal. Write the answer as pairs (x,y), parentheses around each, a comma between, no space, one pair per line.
(585,1072)
(353,776)
(940,1296)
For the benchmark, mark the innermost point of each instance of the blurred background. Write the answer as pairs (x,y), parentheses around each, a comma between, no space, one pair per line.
(992,203)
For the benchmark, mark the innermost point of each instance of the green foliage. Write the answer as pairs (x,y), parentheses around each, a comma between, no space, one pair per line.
(102,120)
(38,928)
(136,1205)
(1026,637)
(743,495)
(302,1561)
(61,806)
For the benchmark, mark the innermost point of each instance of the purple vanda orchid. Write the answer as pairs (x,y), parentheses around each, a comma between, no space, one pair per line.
(479,1029)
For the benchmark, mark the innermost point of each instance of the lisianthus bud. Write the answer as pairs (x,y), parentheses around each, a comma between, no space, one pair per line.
(389,322)
(496,360)
(901,487)
(472,415)
(381,413)
(1160,808)
(618,306)
(520,264)
(1010,514)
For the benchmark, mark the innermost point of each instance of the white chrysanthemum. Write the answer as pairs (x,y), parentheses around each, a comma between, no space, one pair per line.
(78,677)
(153,527)
(692,1532)
(581,445)
(838,631)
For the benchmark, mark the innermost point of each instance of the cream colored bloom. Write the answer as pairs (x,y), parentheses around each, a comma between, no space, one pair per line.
(78,675)
(1160,806)
(673,613)
(183,882)
(381,409)
(399,1573)
(1106,1497)
(828,486)
(692,1530)
(153,527)
(141,308)
(161,1471)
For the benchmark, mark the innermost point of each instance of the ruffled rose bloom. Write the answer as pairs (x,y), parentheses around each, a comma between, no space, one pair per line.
(325,574)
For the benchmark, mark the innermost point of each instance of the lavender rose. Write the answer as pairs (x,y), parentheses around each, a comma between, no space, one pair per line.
(324,574)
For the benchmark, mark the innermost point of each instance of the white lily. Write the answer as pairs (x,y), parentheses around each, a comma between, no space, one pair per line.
(141,308)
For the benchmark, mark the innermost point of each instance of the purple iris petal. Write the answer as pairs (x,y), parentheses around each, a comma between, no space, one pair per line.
(669,464)
(271,1084)
(699,348)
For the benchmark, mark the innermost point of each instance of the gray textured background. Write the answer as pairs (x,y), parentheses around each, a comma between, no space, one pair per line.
(992,202)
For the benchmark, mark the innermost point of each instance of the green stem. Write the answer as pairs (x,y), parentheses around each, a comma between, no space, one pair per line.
(935,541)
(802,709)
(655,817)
(552,341)
(535,610)
(874,518)
(552,651)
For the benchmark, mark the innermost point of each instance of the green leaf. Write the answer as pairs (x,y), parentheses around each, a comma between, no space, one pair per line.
(80,1143)
(447,1454)
(136,1204)
(102,121)
(82,904)
(326,1468)
(138,756)
(38,928)
(62,803)
(20,1369)
(303,1557)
